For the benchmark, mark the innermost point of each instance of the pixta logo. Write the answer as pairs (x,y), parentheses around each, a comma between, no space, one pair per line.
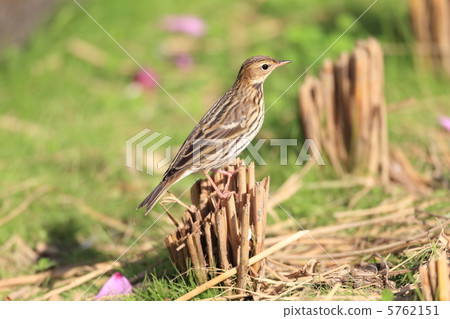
(143,145)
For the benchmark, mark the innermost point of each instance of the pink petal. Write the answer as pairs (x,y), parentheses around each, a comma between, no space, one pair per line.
(146,78)
(191,25)
(184,61)
(445,122)
(118,284)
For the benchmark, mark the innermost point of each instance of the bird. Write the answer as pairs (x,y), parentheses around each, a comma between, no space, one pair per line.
(224,131)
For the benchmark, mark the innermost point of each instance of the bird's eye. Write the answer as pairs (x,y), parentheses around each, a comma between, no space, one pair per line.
(264,66)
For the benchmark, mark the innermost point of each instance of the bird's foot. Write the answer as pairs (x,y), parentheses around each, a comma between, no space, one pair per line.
(225,193)
(229,175)
(223,196)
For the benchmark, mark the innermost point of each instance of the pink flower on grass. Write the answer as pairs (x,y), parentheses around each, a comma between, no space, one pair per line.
(146,78)
(445,122)
(184,61)
(118,284)
(187,24)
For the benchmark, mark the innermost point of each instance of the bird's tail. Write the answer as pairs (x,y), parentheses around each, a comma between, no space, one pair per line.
(155,195)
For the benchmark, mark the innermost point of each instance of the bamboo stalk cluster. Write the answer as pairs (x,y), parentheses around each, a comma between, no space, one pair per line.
(435,279)
(344,111)
(430,20)
(222,233)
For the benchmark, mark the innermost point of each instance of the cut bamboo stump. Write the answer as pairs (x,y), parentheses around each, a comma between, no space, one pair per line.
(220,234)
(430,20)
(344,112)
(435,279)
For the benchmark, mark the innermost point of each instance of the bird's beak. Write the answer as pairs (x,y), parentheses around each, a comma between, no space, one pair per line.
(283,62)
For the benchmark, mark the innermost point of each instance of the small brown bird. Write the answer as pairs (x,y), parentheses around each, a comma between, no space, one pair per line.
(224,131)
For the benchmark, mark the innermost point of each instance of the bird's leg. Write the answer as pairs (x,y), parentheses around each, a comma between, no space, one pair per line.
(225,194)
(227,184)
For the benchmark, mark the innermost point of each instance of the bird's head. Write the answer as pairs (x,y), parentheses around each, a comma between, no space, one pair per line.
(256,69)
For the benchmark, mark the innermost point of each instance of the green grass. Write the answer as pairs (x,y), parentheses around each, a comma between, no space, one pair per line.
(84,115)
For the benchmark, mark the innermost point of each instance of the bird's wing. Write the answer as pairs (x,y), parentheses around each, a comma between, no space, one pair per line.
(224,122)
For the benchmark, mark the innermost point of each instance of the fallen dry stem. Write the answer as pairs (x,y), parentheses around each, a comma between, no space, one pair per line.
(376,210)
(100,269)
(96,215)
(233,271)
(24,204)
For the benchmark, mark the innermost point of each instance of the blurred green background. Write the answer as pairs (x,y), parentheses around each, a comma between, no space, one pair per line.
(67,107)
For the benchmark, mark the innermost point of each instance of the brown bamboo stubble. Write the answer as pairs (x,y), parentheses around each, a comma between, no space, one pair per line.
(430,20)
(233,271)
(245,246)
(259,213)
(344,112)
(215,233)
(233,230)
(434,279)
(443,277)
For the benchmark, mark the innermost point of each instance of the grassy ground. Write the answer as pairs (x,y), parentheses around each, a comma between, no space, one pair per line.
(73,117)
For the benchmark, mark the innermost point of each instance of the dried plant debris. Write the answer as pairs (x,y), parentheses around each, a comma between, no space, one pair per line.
(401,245)
(331,263)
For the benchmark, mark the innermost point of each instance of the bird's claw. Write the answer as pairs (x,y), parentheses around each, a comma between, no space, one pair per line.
(227,194)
